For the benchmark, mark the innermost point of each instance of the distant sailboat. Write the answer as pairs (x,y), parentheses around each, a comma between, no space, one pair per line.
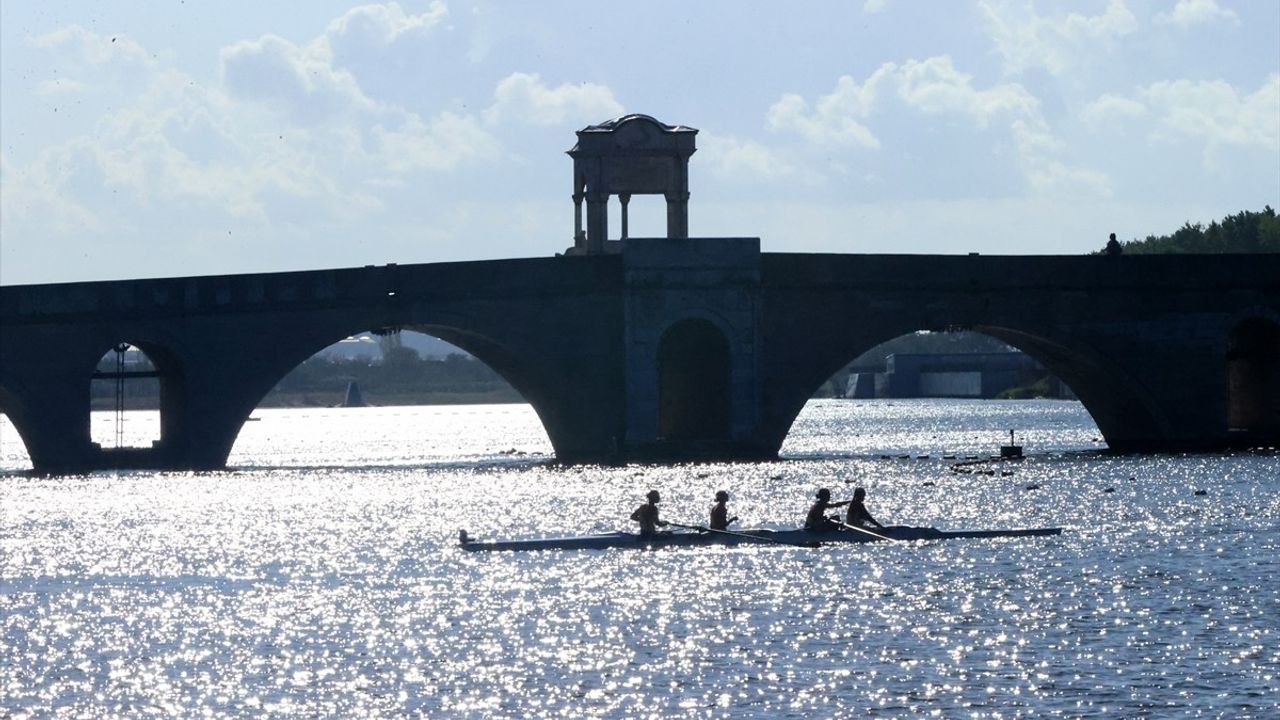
(354,398)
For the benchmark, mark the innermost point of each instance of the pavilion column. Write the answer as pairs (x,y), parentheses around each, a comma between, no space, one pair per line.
(597,222)
(678,214)
(678,200)
(624,199)
(579,240)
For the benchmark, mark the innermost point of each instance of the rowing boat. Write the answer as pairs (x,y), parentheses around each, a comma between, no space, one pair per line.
(799,538)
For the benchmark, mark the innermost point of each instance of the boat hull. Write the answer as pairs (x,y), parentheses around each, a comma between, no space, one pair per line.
(797,538)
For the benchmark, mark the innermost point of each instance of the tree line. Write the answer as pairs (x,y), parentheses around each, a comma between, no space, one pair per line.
(401,377)
(1244,232)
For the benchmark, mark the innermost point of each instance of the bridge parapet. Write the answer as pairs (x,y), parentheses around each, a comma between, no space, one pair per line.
(303,290)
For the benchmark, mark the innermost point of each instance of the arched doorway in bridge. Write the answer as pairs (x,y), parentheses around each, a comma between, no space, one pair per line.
(693,382)
(125,399)
(1253,378)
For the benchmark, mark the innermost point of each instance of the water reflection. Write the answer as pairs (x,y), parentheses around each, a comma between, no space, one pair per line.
(292,589)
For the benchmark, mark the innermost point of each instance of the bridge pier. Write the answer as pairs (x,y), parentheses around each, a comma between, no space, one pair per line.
(53,421)
(691,322)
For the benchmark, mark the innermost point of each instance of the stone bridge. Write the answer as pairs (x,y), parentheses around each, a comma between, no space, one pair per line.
(664,349)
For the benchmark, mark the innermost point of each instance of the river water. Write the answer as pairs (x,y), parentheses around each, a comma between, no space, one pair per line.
(321,577)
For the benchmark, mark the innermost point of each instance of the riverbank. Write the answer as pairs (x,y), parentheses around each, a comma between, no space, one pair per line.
(335,398)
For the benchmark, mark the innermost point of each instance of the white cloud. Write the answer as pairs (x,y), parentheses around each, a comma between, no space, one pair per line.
(1216,114)
(1046,175)
(935,87)
(1051,178)
(300,80)
(1027,40)
(287,137)
(1190,13)
(1211,113)
(61,86)
(932,86)
(835,119)
(741,160)
(524,97)
(95,49)
(442,144)
(306,84)
(32,191)
(871,7)
(371,25)
(1111,109)
(81,62)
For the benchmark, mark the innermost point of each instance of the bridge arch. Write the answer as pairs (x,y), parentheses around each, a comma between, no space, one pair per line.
(694,366)
(1124,408)
(1253,378)
(290,352)
(1128,414)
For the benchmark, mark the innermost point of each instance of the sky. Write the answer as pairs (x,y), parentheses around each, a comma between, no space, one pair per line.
(151,138)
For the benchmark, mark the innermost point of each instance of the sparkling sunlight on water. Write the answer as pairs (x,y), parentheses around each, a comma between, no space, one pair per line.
(321,577)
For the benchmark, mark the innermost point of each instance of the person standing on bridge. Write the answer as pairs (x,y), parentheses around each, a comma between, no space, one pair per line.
(858,515)
(817,520)
(647,515)
(720,519)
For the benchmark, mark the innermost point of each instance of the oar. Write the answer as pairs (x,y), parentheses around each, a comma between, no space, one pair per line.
(876,535)
(749,536)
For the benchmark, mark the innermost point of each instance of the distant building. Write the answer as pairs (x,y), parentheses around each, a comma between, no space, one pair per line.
(365,346)
(968,375)
(357,347)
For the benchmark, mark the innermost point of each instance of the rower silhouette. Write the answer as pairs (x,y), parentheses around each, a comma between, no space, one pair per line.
(647,515)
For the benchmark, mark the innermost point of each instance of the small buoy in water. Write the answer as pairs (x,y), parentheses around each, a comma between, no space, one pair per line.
(1033,486)
(1006,473)
(1109,490)
(1202,492)
(1011,450)
(928,483)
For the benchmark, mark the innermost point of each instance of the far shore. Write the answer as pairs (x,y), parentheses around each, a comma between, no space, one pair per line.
(336,399)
